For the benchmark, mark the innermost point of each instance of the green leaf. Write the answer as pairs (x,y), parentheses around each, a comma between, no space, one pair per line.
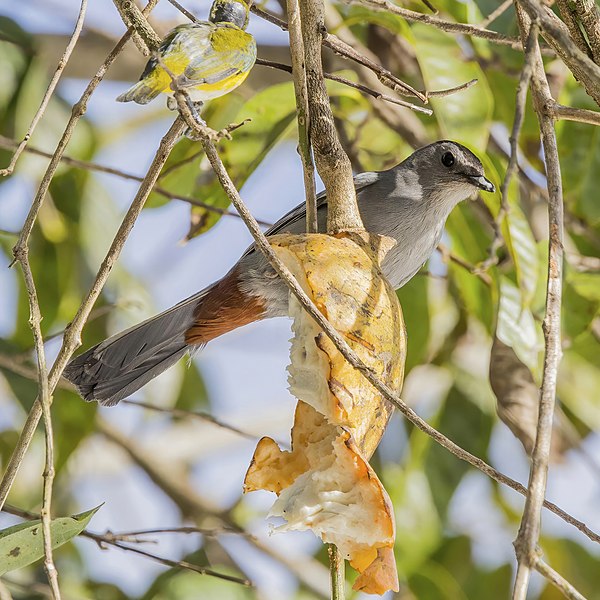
(517,328)
(470,242)
(22,544)
(580,159)
(517,233)
(465,424)
(464,116)
(272,113)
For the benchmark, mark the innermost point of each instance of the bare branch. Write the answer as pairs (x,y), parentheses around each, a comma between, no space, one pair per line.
(339,47)
(62,63)
(529,531)
(332,162)
(558,580)
(555,32)
(35,320)
(144,36)
(370,91)
(570,113)
(513,164)
(337,569)
(568,14)
(448,257)
(589,14)
(91,166)
(302,113)
(495,14)
(448,26)
(178,489)
(103,539)
(177,412)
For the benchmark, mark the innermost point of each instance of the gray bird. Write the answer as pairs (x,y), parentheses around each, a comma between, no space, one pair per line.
(409,203)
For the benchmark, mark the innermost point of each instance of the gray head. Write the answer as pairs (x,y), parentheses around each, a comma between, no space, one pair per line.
(447,173)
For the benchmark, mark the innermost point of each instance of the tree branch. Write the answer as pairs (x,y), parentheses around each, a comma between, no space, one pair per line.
(91,166)
(102,539)
(513,162)
(568,14)
(144,36)
(332,162)
(529,531)
(45,400)
(567,589)
(448,26)
(297,52)
(555,32)
(589,14)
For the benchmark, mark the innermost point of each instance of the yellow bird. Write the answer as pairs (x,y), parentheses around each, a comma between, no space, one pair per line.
(208,58)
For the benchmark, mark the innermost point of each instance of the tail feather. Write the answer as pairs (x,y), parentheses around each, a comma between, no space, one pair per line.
(122,364)
(141,93)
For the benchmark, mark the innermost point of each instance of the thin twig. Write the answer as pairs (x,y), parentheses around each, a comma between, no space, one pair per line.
(557,580)
(133,17)
(513,161)
(333,165)
(302,112)
(337,570)
(264,246)
(177,412)
(448,256)
(137,535)
(35,320)
(339,47)
(555,32)
(111,539)
(529,531)
(332,42)
(91,166)
(183,11)
(448,26)
(62,63)
(177,564)
(72,337)
(175,484)
(370,91)
(570,113)
(496,13)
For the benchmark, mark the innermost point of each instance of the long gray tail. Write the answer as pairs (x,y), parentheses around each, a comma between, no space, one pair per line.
(122,364)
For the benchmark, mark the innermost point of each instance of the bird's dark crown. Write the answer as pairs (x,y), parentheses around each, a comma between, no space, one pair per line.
(229,11)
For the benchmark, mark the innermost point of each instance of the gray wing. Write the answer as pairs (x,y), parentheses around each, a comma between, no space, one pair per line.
(293,221)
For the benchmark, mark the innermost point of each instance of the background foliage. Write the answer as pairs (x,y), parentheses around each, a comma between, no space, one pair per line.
(454,526)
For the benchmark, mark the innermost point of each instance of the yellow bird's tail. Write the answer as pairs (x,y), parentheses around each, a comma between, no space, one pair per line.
(141,93)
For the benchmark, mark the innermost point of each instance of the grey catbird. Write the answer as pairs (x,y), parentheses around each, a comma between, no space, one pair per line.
(409,202)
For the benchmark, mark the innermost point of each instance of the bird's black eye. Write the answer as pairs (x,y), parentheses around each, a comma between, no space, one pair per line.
(447,159)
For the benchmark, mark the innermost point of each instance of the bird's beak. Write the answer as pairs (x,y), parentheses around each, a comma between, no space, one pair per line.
(482,183)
